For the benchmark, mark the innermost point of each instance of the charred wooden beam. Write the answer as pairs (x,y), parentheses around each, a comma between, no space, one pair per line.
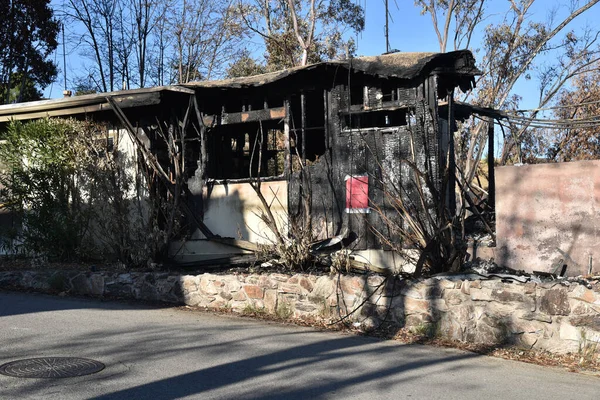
(303,125)
(326,117)
(491,172)
(208,120)
(286,137)
(203,152)
(312,128)
(247,116)
(452,161)
(386,106)
(154,164)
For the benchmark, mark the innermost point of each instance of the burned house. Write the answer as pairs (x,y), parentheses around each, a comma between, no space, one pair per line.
(318,146)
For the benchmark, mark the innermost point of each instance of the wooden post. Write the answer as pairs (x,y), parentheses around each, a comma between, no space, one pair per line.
(202,164)
(326,118)
(303,122)
(286,137)
(452,160)
(203,153)
(491,173)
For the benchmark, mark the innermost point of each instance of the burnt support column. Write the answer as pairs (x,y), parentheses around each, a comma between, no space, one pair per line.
(491,173)
(451,157)
(196,183)
(287,166)
(303,122)
(326,117)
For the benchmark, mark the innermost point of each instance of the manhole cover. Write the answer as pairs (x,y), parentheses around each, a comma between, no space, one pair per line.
(51,367)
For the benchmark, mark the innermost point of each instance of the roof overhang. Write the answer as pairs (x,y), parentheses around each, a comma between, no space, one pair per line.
(86,104)
(401,65)
(458,65)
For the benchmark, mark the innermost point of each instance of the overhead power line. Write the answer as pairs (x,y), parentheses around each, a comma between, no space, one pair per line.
(542,124)
(558,107)
(510,117)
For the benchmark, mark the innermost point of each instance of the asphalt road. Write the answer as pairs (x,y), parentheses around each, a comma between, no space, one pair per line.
(154,353)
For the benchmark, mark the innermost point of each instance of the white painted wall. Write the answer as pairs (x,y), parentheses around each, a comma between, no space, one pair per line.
(233,210)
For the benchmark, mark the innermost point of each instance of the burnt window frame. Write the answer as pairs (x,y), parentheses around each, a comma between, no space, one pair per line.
(383,114)
(245,153)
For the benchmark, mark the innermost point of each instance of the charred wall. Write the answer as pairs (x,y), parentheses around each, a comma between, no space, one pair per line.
(371,126)
(338,127)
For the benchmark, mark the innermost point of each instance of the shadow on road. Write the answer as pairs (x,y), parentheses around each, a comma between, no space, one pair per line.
(20,303)
(301,357)
(172,354)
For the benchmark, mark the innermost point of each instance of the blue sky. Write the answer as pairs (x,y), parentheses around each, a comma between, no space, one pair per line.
(409,31)
(412,31)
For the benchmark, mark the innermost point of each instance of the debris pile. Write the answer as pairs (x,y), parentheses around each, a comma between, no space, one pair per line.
(488,269)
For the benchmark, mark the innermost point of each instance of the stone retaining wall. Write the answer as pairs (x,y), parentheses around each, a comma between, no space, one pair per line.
(546,316)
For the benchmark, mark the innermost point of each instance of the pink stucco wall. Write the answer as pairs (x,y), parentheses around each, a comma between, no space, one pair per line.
(548,212)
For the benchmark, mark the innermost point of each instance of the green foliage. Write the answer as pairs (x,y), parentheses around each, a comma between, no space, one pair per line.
(321,35)
(284,310)
(588,349)
(245,65)
(76,196)
(84,87)
(430,330)
(39,184)
(325,310)
(28,34)
(23,89)
(252,310)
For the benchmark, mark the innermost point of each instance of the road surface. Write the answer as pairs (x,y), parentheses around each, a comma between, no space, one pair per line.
(166,353)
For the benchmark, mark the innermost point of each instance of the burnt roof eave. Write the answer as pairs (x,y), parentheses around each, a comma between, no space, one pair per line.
(63,105)
(405,66)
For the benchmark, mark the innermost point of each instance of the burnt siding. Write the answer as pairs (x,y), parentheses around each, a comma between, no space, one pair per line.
(433,134)
(418,139)
(377,153)
(407,95)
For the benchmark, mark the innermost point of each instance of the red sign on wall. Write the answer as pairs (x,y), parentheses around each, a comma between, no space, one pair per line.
(357,194)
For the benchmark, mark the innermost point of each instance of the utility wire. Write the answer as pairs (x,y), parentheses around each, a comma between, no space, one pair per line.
(545,125)
(558,107)
(541,125)
(546,122)
(573,121)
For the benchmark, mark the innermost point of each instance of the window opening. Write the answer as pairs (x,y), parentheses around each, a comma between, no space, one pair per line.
(315,144)
(388,91)
(357,95)
(375,119)
(235,150)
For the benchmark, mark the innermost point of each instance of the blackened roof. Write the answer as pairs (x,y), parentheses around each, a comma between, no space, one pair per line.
(394,65)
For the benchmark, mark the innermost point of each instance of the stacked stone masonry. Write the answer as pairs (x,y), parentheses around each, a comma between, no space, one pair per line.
(548,316)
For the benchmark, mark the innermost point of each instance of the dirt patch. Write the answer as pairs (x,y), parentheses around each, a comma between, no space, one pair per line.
(572,362)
